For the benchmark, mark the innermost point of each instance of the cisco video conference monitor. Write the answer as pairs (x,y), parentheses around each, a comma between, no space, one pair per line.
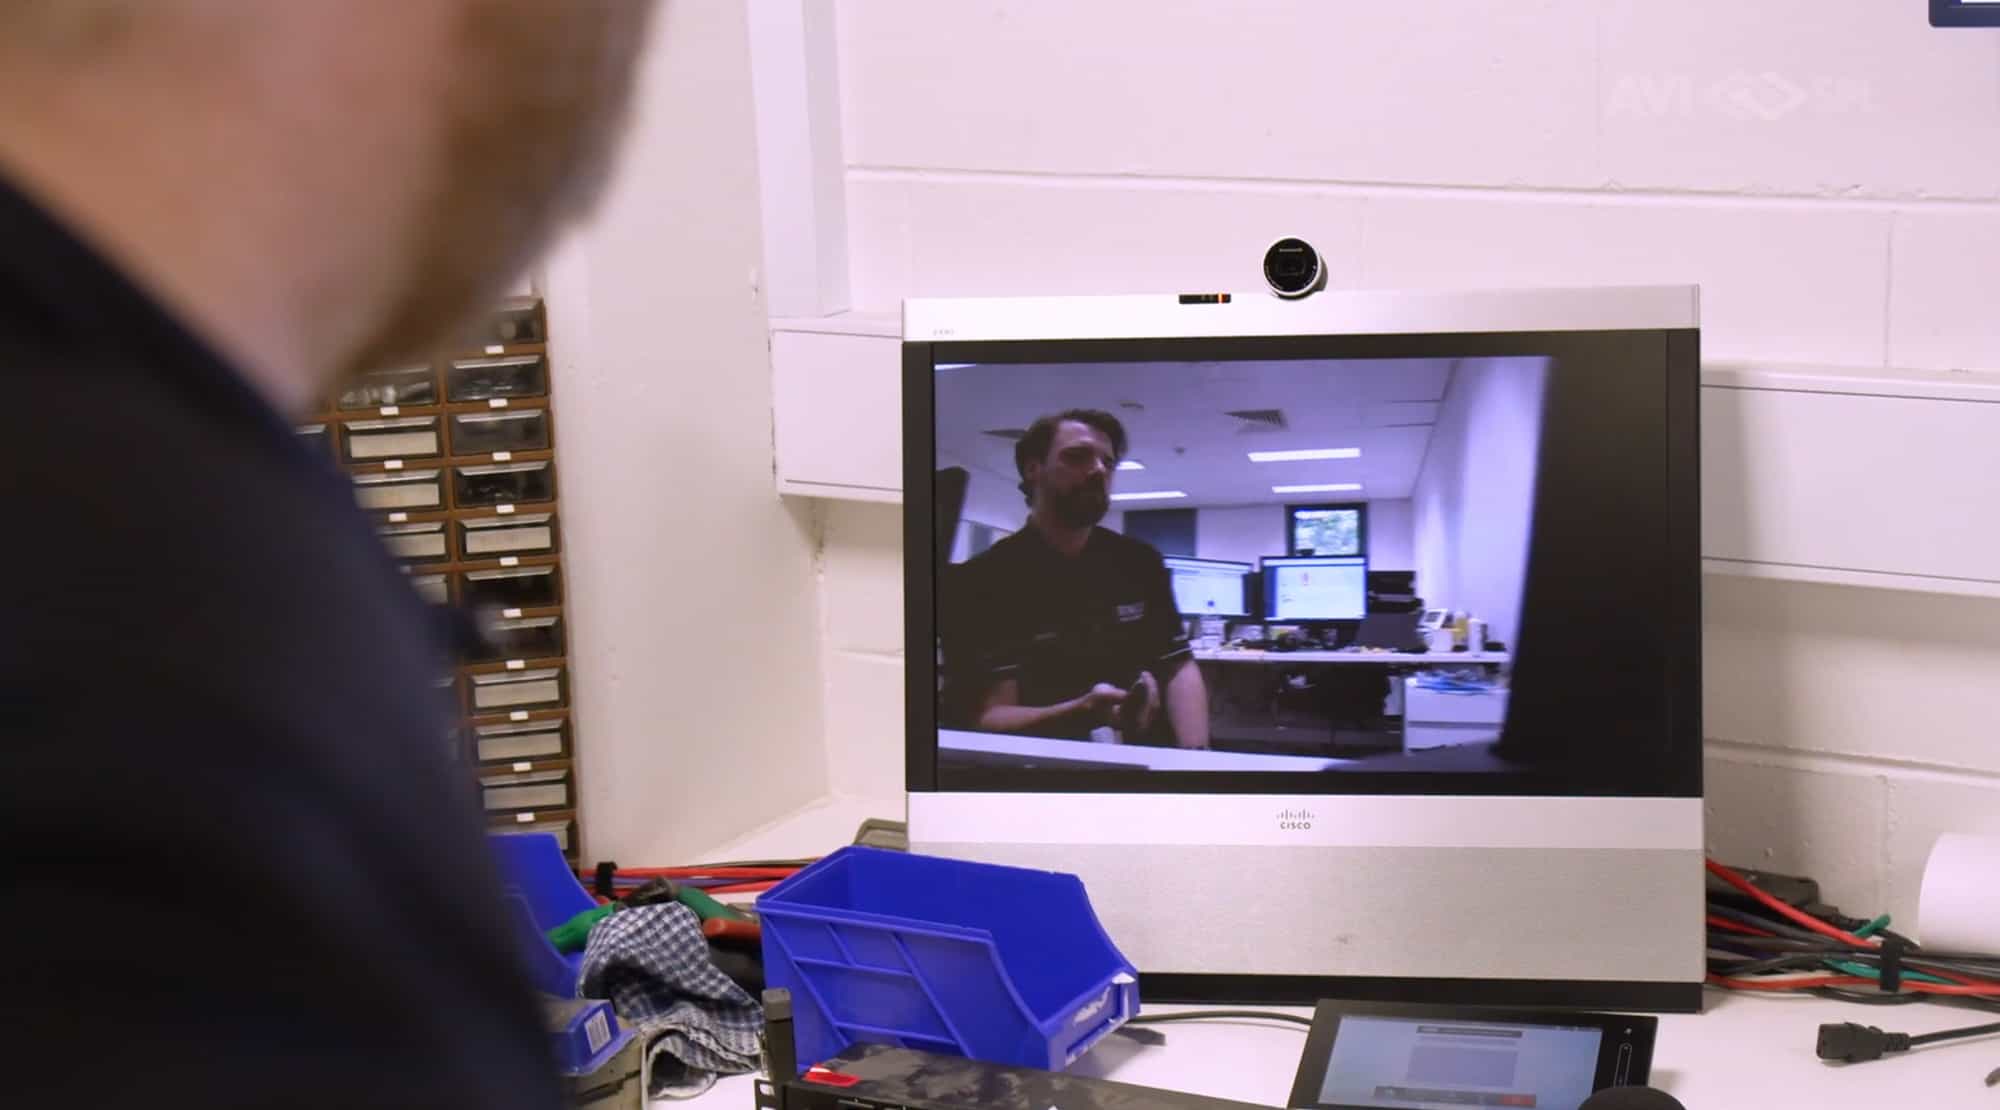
(1525,460)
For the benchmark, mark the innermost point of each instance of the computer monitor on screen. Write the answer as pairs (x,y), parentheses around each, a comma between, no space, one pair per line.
(1209,587)
(1276,821)
(1305,589)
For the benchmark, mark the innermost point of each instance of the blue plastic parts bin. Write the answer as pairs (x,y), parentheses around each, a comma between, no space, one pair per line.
(544,893)
(995,963)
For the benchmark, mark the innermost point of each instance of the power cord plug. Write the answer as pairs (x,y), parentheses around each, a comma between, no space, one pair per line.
(1850,1043)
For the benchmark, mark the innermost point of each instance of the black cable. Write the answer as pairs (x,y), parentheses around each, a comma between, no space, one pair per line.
(1875,998)
(1776,963)
(1782,929)
(1218,1015)
(1955,1034)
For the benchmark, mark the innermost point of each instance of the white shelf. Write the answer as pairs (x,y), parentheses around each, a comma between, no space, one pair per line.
(883,325)
(1833,576)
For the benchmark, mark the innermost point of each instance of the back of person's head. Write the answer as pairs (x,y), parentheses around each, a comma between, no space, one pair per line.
(373,171)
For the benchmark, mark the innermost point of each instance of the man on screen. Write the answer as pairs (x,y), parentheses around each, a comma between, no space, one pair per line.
(1065,627)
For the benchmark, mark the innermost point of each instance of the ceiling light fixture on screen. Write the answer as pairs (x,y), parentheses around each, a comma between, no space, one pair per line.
(1311,454)
(1131,464)
(1150,495)
(1323,487)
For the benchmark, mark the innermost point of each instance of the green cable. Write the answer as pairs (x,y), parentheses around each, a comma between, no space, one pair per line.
(1880,923)
(1866,972)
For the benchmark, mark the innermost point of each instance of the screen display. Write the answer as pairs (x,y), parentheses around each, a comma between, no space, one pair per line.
(1061,623)
(1431,1064)
(1517,485)
(1205,589)
(1315,589)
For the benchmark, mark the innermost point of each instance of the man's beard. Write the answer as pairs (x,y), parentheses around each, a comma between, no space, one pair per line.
(1081,507)
(532,116)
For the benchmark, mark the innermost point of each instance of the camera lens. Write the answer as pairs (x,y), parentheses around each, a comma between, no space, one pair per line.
(1292,268)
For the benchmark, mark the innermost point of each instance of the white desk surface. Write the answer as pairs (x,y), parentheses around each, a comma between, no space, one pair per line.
(1136,755)
(1360,658)
(1744,1053)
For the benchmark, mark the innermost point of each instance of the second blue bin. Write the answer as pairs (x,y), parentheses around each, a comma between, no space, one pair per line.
(995,963)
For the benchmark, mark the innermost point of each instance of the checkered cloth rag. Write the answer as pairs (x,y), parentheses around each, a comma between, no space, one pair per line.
(652,963)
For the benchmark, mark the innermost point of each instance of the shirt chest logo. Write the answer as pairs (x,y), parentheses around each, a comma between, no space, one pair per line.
(1131,612)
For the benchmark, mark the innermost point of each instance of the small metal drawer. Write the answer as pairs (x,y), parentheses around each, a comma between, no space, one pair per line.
(503,483)
(516,321)
(522,638)
(417,542)
(404,385)
(514,534)
(525,740)
(484,379)
(525,790)
(433,588)
(397,437)
(482,433)
(315,436)
(518,689)
(400,489)
(560,825)
(510,588)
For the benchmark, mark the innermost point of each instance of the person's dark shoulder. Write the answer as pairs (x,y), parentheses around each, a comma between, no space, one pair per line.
(1129,552)
(1009,557)
(211,664)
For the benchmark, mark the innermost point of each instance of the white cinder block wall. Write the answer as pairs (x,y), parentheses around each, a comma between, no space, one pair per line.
(1827,170)
(691,590)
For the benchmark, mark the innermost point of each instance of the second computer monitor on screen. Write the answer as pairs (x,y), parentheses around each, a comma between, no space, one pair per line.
(1308,588)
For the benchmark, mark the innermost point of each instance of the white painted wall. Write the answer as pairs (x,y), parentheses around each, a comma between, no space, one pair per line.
(1392,536)
(692,602)
(1474,502)
(1825,169)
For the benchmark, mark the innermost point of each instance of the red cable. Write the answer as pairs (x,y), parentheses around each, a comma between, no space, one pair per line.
(1727,925)
(744,888)
(1799,983)
(1797,917)
(1808,921)
(745,873)
(1977,988)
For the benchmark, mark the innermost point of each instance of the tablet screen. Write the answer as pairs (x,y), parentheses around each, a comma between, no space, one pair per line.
(1439,1064)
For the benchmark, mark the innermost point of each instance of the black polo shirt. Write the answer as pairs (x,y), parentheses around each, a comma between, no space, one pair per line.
(1060,625)
(241,867)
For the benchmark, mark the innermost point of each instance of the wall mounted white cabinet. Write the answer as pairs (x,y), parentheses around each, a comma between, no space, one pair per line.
(837,396)
(1858,477)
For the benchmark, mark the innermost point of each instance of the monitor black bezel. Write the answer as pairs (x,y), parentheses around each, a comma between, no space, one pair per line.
(1955,13)
(1673,358)
(1636,1031)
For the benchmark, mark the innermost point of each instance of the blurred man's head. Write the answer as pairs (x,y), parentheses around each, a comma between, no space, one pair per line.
(1066,462)
(384,165)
